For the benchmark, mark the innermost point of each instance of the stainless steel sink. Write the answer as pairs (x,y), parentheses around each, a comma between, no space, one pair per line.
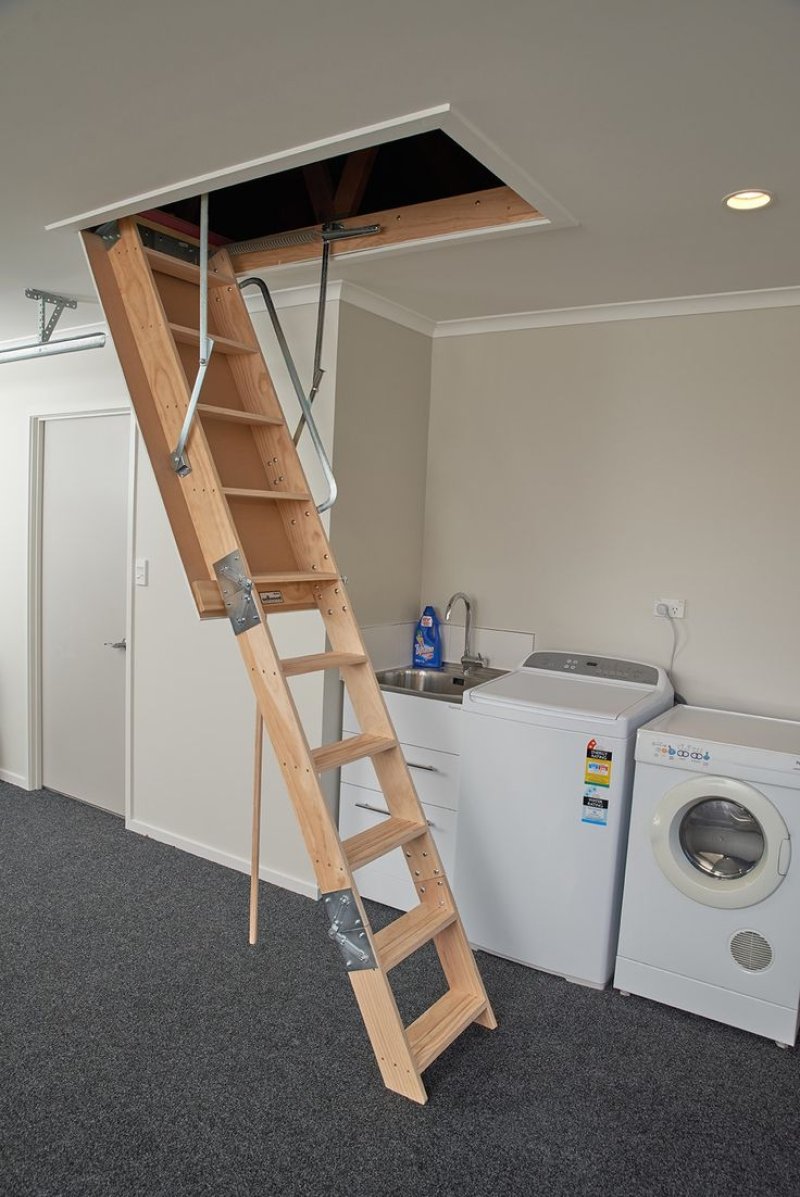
(447,684)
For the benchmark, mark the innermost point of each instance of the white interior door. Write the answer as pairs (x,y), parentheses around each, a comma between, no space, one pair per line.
(84,605)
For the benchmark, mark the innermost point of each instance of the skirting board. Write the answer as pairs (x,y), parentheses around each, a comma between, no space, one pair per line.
(14,779)
(308,889)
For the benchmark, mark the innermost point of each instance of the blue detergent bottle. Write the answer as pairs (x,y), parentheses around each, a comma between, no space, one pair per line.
(427,641)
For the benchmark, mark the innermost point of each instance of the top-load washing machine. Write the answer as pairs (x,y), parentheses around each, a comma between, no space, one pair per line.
(711,910)
(546,771)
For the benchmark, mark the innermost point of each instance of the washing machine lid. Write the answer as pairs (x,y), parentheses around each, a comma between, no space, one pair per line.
(702,738)
(597,689)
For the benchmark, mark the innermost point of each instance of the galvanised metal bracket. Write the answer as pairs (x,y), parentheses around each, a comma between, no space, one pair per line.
(237,593)
(109,233)
(347,930)
(59,302)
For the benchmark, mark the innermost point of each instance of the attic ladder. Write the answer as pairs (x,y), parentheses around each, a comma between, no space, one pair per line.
(245,514)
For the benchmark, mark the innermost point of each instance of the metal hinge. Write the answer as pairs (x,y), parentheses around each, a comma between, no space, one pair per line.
(237,593)
(109,233)
(347,930)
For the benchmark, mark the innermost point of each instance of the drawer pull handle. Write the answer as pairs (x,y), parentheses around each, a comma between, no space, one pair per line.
(427,768)
(377,810)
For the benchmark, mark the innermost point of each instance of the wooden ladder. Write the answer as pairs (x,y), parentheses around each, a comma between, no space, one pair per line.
(246,504)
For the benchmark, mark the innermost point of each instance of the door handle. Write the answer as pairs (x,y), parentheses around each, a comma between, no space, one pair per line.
(427,768)
(116,643)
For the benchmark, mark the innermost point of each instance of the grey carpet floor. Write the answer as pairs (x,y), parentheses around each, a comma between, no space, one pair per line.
(147,1050)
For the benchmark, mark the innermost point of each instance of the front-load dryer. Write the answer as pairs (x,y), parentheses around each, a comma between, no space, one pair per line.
(544,796)
(711,908)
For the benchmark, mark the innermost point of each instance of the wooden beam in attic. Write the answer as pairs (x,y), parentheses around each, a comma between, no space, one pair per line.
(495,208)
(353,183)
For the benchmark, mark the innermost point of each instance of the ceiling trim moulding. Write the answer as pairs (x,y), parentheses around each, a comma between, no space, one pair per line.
(606,313)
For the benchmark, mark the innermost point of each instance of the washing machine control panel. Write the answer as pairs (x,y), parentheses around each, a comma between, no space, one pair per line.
(608,668)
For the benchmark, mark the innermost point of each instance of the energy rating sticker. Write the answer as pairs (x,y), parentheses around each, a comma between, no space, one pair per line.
(598,765)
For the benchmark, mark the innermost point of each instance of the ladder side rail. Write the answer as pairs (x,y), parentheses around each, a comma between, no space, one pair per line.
(148,417)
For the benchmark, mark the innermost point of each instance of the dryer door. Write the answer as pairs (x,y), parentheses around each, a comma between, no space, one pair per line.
(720,842)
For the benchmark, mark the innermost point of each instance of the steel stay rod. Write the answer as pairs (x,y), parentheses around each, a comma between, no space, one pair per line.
(179,462)
(305,407)
(316,377)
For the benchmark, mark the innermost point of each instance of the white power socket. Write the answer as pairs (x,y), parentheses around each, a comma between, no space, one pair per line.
(675,607)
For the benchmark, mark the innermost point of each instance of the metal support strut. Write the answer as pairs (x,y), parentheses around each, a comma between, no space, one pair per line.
(305,407)
(59,302)
(329,233)
(180,463)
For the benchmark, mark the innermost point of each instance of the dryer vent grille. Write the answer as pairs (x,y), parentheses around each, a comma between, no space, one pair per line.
(751,950)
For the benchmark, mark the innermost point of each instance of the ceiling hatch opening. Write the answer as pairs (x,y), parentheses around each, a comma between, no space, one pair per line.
(416,189)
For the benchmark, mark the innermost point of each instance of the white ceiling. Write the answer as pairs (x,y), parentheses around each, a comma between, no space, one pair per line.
(636,115)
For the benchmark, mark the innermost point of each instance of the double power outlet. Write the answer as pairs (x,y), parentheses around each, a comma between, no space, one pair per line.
(676,608)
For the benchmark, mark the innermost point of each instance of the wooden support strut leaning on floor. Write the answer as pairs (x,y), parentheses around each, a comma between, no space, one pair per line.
(245,508)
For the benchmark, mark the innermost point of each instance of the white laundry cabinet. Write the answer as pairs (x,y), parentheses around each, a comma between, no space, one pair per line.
(429,732)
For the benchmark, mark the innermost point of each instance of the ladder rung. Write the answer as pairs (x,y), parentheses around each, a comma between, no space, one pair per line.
(272,580)
(234,416)
(167,264)
(315,662)
(408,933)
(292,496)
(441,1023)
(342,752)
(377,841)
(191,336)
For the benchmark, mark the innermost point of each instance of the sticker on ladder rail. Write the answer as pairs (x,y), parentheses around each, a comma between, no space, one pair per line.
(597,780)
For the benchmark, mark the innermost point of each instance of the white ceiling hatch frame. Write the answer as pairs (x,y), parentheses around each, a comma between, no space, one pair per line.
(444,117)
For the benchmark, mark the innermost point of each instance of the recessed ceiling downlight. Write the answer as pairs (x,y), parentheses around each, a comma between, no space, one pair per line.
(747,201)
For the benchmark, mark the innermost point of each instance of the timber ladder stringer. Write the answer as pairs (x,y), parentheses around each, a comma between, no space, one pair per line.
(253,546)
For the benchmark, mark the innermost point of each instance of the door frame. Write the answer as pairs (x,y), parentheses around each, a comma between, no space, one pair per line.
(38,424)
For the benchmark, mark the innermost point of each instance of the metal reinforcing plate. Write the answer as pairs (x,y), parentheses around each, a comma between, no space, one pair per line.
(347,930)
(237,593)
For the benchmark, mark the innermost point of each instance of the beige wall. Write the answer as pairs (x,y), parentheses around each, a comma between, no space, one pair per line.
(380,451)
(577,473)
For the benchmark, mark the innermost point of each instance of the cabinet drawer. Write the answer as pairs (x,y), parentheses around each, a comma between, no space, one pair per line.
(387,880)
(435,775)
(422,722)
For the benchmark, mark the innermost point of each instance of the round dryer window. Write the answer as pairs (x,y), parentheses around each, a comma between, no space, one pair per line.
(721,838)
(720,842)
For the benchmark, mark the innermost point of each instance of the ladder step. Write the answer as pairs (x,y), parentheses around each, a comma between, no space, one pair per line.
(315,662)
(441,1023)
(234,416)
(271,580)
(407,934)
(167,264)
(342,752)
(191,336)
(293,496)
(377,841)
